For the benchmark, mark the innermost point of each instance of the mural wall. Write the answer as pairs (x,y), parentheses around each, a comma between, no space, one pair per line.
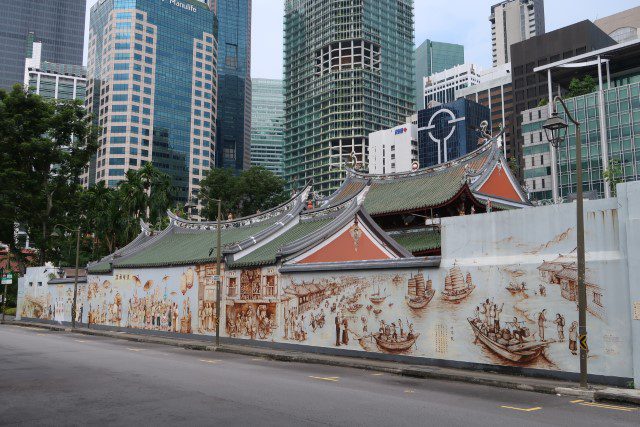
(505,294)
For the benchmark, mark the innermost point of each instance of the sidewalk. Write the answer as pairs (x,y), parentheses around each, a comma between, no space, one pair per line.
(539,385)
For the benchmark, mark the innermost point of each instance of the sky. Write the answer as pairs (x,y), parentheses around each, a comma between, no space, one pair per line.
(468,24)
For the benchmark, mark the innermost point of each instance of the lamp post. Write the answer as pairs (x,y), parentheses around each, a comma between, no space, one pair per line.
(75,279)
(556,129)
(219,282)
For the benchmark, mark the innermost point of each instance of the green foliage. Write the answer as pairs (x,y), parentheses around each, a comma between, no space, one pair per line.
(582,86)
(44,146)
(514,165)
(256,189)
(613,175)
(10,311)
(543,102)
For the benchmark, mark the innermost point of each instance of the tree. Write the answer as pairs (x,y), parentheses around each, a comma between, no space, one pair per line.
(256,189)
(582,86)
(259,190)
(44,146)
(613,175)
(219,184)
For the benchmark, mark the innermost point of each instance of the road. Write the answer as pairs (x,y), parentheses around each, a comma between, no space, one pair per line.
(62,378)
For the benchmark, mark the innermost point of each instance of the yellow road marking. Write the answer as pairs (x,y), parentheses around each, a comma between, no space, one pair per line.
(409,391)
(604,406)
(135,349)
(334,379)
(209,360)
(537,408)
(577,401)
(257,359)
(41,335)
(376,375)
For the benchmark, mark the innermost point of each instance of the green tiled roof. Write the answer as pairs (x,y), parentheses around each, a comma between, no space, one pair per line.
(266,254)
(101,267)
(347,191)
(421,191)
(182,247)
(418,241)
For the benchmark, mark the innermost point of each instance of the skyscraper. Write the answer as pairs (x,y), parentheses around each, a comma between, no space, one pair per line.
(513,21)
(57,24)
(348,72)
(433,57)
(234,83)
(267,125)
(152,88)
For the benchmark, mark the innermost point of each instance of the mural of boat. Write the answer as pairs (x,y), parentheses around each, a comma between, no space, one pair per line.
(456,288)
(352,308)
(514,288)
(520,353)
(377,311)
(377,297)
(419,293)
(395,346)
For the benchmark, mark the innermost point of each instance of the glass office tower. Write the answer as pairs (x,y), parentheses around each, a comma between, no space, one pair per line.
(267,125)
(234,74)
(153,88)
(348,72)
(434,57)
(57,24)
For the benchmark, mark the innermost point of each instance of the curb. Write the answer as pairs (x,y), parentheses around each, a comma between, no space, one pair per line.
(606,394)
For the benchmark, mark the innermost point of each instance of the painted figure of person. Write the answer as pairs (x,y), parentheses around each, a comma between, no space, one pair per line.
(541,319)
(286,324)
(400,328)
(345,331)
(492,317)
(338,330)
(559,321)
(573,338)
(496,320)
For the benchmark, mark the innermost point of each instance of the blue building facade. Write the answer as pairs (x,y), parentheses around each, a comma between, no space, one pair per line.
(449,131)
(234,95)
(152,89)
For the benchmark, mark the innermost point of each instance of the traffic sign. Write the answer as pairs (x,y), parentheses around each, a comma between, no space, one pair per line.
(583,342)
(7,278)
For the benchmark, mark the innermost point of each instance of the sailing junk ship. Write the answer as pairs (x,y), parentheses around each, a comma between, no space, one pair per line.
(377,297)
(520,352)
(419,293)
(456,288)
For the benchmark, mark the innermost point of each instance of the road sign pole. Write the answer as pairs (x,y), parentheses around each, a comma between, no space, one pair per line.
(4,294)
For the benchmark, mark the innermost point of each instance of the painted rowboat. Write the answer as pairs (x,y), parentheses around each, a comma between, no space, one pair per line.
(377,299)
(354,307)
(520,353)
(395,346)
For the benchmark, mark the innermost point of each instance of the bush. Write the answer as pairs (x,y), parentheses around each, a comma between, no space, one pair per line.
(10,311)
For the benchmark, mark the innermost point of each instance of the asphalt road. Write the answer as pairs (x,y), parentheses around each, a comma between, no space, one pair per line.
(59,378)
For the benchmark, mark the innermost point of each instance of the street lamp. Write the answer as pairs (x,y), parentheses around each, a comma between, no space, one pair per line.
(218,284)
(556,131)
(75,279)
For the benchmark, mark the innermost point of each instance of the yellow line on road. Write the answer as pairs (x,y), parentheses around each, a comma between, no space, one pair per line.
(334,379)
(257,359)
(577,401)
(537,408)
(41,335)
(376,375)
(409,391)
(209,360)
(135,349)
(604,406)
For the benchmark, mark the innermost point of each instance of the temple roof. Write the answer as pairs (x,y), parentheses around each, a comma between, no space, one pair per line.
(186,242)
(484,173)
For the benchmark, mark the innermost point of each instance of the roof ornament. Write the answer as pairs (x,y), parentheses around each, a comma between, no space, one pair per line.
(356,233)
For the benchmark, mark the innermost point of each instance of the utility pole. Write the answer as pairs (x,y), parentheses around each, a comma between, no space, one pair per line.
(219,284)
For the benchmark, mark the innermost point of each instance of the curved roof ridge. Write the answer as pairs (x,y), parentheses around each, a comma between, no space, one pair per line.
(489,145)
(330,208)
(340,221)
(251,219)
